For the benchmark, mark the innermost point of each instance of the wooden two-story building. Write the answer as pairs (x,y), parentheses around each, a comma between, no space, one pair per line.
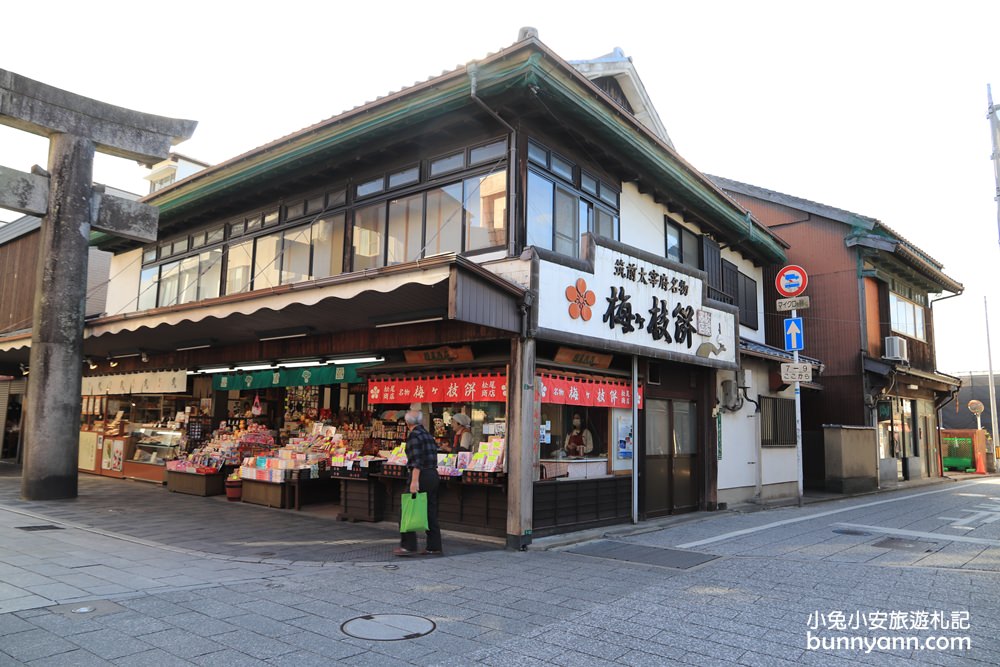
(871,321)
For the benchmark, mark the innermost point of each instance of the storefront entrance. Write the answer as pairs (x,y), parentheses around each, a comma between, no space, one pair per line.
(670,457)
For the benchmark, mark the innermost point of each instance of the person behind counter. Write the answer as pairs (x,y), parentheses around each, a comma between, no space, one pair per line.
(462,442)
(421,460)
(579,440)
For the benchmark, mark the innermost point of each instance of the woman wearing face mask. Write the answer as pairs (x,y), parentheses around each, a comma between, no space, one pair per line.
(579,441)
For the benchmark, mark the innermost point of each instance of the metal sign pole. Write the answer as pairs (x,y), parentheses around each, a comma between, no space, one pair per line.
(798,423)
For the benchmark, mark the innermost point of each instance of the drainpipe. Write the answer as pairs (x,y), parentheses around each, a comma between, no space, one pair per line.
(472,69)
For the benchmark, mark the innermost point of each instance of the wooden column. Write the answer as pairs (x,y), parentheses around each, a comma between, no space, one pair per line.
(53,406)
(522,443)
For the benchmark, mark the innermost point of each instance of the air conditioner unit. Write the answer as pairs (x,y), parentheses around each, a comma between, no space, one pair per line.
(895,349)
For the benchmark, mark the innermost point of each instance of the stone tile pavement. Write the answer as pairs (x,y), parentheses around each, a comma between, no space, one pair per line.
(159,604)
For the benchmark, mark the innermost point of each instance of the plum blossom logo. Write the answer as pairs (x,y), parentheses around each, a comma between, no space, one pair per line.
(580,300)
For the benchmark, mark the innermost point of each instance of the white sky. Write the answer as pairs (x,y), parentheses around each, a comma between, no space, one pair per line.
(877,108)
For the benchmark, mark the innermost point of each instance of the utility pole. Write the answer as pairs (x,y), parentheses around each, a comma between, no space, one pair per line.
(991,113)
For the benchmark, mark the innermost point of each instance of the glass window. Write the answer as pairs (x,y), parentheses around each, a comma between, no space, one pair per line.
(215,235)
(605,224)
(537,154)
(494,151)
(296,249)
(448,163)
(673,242)
(238,267)
(237,228)
(689,246)
(253,223)
(270,217)
(211,273)
(296,210)
(567,223)
(444,220)
(539,218)
(147,287)
(906,317)
(561,167)
(337,197)
(197,241)
(180,245)
(486,211)
(149,255)
(187,283)
(371,187)
(405,177)
(169,274)
(315,205)
(328,247)
(588,183)
(369,230)
(685,428)
(609,195)
(267,260)
(406,222)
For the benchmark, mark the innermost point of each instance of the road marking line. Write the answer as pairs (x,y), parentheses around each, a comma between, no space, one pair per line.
(785,522)
(918,534)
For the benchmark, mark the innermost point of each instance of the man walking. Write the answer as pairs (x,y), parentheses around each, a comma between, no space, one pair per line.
(421,461)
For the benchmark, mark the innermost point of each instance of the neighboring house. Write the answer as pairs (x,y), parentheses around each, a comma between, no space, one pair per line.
(975,386)
(871,321)
(512,242)
(175,168)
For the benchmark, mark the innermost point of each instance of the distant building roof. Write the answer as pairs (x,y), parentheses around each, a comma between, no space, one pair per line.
(868,231)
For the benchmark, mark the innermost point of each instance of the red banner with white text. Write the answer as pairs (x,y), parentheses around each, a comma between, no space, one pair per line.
(491,388)
(585,392)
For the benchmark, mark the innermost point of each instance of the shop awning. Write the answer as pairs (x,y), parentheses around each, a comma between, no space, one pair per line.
(315,376)
(444,287)
(466,388)
(587,392)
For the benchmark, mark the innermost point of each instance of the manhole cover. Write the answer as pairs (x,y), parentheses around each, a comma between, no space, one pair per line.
(388,627)
(44,527)
(906,545)
(850,531)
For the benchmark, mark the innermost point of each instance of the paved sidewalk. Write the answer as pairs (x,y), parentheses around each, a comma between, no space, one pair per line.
(157,604)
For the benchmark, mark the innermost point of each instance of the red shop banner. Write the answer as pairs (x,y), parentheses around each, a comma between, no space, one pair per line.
(588,393)
(451,389)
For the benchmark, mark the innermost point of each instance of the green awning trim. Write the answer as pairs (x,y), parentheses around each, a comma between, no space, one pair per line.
(309,376)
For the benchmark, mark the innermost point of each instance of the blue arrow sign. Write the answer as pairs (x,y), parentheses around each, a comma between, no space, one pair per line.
(793,334)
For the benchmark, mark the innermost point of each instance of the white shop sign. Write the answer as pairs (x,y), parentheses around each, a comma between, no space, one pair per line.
(155,382)
(628,302)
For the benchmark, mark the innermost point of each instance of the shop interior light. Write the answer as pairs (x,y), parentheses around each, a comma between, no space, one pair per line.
(300,364)
(221,369)
(257,367)
(356,360)
(112,361)
(199,344)
(144,357)
(282,334)
(384,325)
(24,369)
(90,362)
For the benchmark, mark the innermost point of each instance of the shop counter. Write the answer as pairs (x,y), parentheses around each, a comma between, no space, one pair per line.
(361,499)
(588,468)
(471,508)
(148,472)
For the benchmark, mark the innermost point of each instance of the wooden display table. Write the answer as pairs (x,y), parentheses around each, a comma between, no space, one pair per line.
(196,484)
(361,500)
(269,494)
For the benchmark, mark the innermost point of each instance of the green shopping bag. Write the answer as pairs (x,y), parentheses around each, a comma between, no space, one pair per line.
(413,512)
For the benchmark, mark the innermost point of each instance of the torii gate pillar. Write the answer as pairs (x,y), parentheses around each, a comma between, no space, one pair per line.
(77,127)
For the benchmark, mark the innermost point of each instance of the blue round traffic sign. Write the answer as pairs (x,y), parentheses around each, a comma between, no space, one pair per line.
(791,281)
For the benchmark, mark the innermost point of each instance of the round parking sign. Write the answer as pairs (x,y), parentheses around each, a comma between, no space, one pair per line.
(791,281)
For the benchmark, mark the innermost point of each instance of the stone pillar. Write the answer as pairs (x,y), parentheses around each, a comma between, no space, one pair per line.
(522,443)
(53,402)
